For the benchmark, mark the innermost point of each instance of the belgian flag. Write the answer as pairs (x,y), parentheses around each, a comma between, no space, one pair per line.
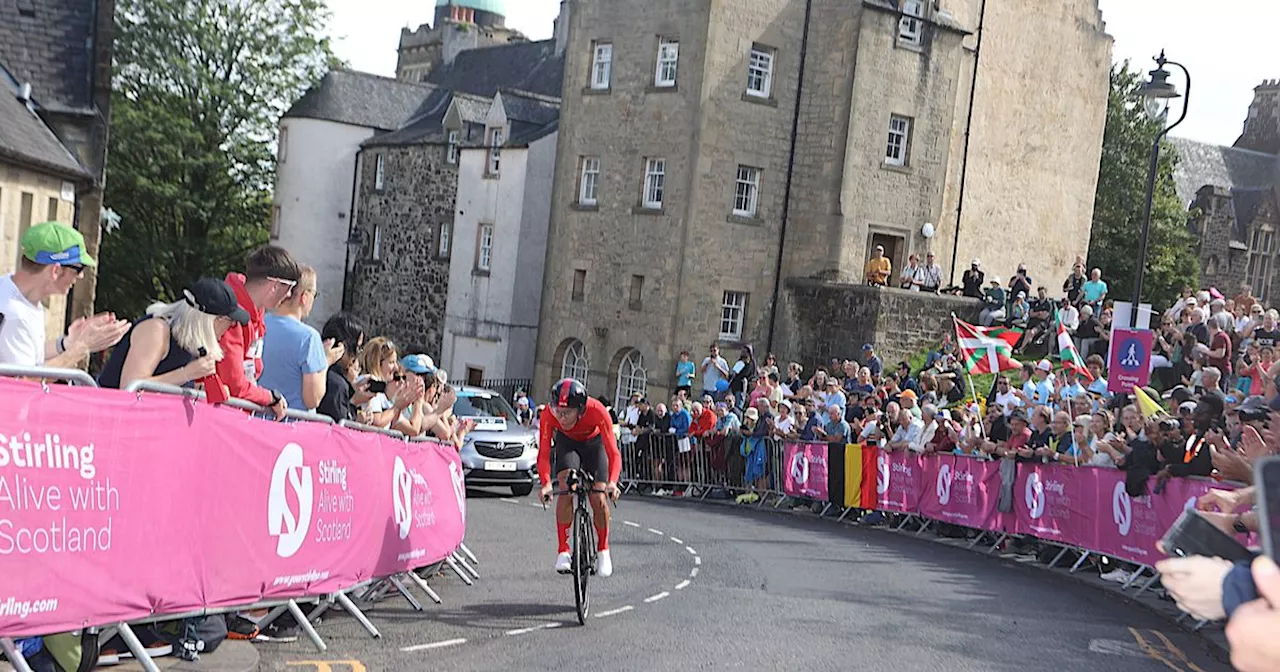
(860,476)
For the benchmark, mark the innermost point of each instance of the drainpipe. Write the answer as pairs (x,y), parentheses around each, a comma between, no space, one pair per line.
(351,227)
(968,131)
(791,165)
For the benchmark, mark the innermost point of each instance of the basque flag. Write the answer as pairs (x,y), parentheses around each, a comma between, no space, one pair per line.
(987,349)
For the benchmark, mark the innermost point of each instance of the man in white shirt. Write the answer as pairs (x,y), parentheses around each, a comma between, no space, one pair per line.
(909,434)
(53,259)
(929,418)
(714,370)
(1006,399)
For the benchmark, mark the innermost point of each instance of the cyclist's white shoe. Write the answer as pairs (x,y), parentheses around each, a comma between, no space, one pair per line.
(603,566)
(563,563)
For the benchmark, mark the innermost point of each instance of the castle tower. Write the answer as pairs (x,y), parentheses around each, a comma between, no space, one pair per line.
(1262,127)
(459,25)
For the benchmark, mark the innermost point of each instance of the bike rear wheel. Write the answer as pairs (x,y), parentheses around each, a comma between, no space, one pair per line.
(583,545)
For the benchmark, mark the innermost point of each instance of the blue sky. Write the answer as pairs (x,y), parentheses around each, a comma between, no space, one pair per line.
(1229,49)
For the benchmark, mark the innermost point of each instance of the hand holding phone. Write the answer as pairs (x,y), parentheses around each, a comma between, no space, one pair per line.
(1192,534)
(1266,478)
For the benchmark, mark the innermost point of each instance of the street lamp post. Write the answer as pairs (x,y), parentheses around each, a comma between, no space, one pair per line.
(1157,92)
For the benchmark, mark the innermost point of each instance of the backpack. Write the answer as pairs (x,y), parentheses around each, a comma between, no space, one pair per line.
(192,636)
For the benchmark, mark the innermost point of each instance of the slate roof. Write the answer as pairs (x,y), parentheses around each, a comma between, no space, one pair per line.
(49,43)
(423,126)
(360,99)
(527,66)
(472,109)
(1203,164)
(25,139)
(529,75)
(527,134)
(531,108)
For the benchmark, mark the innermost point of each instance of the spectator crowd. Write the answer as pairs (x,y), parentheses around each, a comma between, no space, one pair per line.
(1214,365)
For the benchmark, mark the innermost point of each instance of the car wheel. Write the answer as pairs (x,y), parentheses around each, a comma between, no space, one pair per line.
(522,490)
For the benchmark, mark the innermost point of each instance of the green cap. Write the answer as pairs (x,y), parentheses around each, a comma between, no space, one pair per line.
(51,243)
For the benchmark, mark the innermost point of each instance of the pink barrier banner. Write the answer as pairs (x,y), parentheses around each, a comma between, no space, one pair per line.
(965,491)
(900,480)
(1135,524)
(115,507)
(1056,503)
(805,470)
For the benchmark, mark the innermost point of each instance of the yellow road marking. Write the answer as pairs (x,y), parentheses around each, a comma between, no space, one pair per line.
(1172,648)
(1151,651)
(328,665)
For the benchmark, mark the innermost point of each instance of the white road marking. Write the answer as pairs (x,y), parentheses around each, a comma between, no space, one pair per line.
(657,532)
(697,560)
(540,626)
(690,549)
(535,505)
(678,541)
(509,500)
(693,574)
(615,612)
(655,598)
(627,522)
(682,585)
(433,645)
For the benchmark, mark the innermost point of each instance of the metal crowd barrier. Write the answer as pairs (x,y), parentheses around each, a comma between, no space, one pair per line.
(652,462)
(712,464)
(371,590)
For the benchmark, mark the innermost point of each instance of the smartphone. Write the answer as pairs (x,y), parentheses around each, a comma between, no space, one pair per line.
(1266,476)
(1192,535)
(377,387)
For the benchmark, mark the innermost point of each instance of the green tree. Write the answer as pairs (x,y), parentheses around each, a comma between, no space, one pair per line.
(1122,191)
(199,89)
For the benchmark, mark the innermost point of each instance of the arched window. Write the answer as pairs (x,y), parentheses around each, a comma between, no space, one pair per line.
(575,364)
(632,378)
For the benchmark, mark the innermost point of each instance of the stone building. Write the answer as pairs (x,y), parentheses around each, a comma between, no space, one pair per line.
(498,243)
(738,144)
(1234,196)
(459,25)
(319,138)
(55,92)
(407,179)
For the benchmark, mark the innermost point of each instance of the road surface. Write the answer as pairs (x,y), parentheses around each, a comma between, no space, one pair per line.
(698,586)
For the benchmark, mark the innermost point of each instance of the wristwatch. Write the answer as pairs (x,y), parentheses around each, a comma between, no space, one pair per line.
(275,398)
(1238,524)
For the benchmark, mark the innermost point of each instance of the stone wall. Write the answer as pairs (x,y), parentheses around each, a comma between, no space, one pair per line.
(402,293)
(1034,149)
(1262,127)
(1220,265)
(827,320)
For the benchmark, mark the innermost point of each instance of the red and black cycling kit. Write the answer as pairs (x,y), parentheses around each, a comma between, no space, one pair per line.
(581,445)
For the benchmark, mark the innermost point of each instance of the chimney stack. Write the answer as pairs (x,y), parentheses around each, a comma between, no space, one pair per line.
(1262,124)
(562,26)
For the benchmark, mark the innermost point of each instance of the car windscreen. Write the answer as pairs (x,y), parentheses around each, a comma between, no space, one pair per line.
(483,407)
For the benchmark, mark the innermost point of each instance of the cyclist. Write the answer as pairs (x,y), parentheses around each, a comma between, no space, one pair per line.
(580,432)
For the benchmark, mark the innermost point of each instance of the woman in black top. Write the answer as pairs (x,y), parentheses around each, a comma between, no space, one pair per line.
(176,343)
(342,397)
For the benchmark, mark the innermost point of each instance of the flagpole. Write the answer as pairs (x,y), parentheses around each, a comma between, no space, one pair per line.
(973,391)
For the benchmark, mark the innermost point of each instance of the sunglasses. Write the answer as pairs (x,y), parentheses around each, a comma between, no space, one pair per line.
(79,270)
(291,284)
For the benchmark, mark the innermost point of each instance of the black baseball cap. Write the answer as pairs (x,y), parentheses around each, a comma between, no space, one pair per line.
(212,296)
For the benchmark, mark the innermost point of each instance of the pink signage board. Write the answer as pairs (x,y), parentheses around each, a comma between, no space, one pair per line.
(805,470)
(115,507)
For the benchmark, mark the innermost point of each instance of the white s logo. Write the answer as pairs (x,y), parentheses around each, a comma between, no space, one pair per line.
(799,469)
(1122,509)
(402,497)
(1035,495)
(882,478)
(944,484)
(289,472)
(459,488)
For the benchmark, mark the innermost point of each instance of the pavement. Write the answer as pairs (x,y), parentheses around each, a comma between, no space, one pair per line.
(697,586)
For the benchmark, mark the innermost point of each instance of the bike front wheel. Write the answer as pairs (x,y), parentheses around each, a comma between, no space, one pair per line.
(583,545)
